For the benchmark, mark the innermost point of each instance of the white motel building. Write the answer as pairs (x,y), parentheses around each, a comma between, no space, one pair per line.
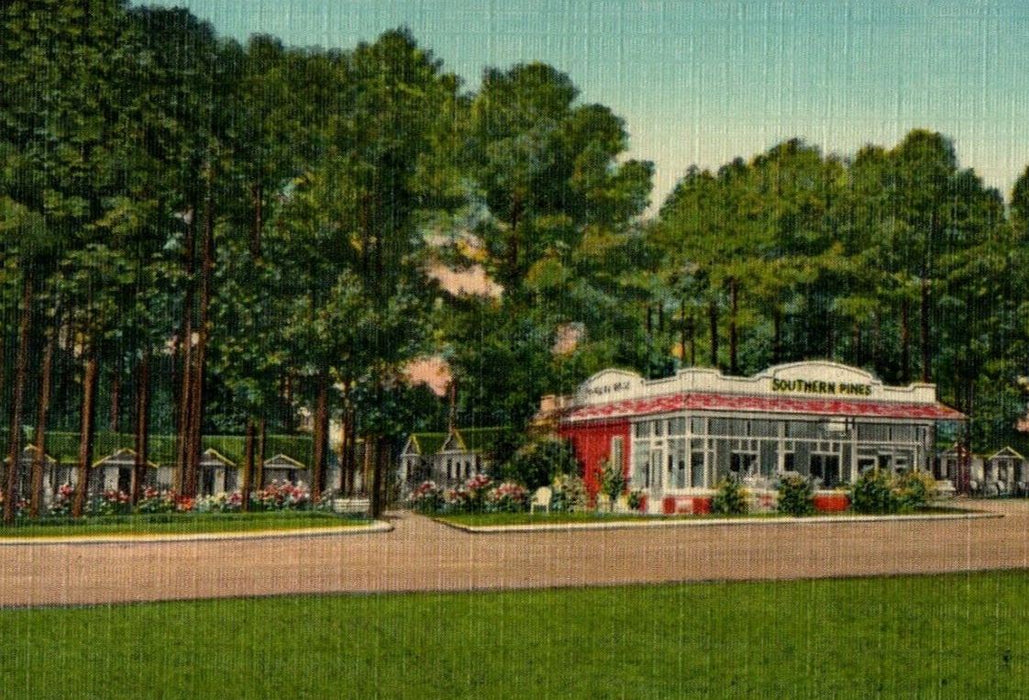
(677,437)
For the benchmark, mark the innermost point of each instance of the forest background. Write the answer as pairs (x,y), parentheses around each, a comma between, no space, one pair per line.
(202,236)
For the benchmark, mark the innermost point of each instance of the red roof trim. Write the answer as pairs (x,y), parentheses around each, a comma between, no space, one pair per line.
(766,404)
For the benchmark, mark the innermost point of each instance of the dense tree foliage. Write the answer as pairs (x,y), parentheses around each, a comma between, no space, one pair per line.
(198,235)
(895,260)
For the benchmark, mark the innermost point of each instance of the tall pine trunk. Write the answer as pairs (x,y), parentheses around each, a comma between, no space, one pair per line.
(287,398)
(321,436)
(925,332)
(184,412)
(248,465)
(196,407)
(378,476)
(113,423)
(262,433)
(39,458)
(142,425)
(86,431)
(366,468)
(346,449)
(21,373)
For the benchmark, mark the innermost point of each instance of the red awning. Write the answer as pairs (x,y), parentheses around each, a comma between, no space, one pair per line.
(766,404)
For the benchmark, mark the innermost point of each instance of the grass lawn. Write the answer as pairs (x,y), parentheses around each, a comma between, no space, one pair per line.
(964,635)
(561,518)
(542,518)
(178,523)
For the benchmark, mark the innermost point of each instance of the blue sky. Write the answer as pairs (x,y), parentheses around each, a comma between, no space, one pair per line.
(701,82)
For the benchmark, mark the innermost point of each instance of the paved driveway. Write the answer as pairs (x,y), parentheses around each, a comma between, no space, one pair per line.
(421,555)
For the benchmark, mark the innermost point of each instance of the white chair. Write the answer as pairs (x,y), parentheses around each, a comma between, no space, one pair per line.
(541,499)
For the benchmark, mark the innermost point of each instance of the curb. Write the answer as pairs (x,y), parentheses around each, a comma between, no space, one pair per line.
(375,527)
(634,524)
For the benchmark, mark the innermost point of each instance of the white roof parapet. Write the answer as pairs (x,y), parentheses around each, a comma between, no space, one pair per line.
(817,378)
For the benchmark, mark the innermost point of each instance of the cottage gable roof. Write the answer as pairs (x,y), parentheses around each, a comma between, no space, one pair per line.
(213,458)
(122,458)
(283,462)
(481,439)
(424,444)
(29,452)
(474,440)
(1006,451)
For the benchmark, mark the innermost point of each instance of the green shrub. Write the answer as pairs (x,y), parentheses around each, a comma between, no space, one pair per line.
(613,481)
(568,493)
(796,495)
(538,463)
(914,489)
(878,491)
(873,492)
(730,499)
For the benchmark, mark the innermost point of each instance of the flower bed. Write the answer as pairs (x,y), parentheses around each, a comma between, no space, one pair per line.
(478,494)
(279,495)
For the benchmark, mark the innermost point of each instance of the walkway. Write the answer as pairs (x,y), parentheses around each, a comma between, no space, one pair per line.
(422,555)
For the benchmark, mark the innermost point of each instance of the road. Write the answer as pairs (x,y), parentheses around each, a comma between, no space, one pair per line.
(422,555)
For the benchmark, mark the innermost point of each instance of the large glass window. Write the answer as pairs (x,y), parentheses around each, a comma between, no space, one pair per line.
(677,463)
(721,426)
(827,468)
(801,429)
(873,432)
(697,470)
(654,474)
(641,467)
(769,458)
(743,463)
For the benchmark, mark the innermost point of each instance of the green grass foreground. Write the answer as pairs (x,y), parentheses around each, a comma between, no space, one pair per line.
(179,524)
(964,635)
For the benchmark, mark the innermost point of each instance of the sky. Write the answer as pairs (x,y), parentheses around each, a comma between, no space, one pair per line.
(704,81)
